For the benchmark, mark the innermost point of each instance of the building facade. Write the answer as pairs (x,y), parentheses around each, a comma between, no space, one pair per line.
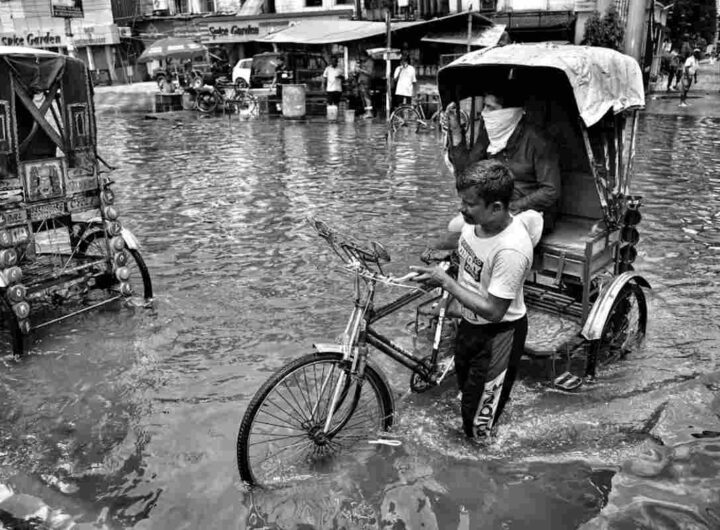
(95,35)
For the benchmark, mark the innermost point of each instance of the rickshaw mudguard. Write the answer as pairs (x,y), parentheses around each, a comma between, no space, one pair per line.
(592,330)
(130,240)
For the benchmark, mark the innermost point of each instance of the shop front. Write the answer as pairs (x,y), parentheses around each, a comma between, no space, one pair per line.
(95,43)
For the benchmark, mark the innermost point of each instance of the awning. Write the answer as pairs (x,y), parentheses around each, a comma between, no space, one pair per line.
(483,37)
(337,31)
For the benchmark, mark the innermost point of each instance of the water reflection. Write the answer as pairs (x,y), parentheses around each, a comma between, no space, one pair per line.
(139,410)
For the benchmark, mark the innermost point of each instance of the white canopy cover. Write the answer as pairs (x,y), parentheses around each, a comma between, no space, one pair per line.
(600,78)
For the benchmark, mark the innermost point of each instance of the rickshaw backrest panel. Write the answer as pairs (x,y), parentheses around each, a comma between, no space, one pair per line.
(556,114)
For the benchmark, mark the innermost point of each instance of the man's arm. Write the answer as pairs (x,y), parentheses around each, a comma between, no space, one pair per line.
(448,241)
(487,306)
(546,162)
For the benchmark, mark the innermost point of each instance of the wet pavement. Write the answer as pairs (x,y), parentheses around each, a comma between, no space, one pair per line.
(129,417)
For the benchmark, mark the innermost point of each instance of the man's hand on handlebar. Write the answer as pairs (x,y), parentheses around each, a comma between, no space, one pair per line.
(434,276)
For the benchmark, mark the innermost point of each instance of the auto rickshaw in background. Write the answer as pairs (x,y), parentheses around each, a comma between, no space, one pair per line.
(63,249)
(586,304)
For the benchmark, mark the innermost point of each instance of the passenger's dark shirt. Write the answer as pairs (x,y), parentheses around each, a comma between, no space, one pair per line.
(533,160)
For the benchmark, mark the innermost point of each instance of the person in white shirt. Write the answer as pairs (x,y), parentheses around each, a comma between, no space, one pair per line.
(689,74)
(333,76)
(496,253)
(405,81)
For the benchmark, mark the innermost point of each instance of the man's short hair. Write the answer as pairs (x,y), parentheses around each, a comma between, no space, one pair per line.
(491,179)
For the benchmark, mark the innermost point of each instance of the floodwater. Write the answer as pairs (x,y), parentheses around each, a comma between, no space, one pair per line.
(130,416)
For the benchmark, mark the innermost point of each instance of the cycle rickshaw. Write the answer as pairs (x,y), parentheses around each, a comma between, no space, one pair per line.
(63,249)
(335,400)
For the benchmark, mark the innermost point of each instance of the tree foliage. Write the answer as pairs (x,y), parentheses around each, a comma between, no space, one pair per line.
(694,17)
(605,31)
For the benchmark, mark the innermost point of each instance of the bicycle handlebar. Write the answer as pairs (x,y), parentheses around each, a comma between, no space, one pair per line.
(360,259)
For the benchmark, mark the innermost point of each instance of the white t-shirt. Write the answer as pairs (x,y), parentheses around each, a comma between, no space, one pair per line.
(690,66)
(334,78)
(496,265)
(404,79)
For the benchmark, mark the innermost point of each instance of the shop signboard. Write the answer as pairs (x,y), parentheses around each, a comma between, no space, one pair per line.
(66,8)
(32,39)
(98,35)
(241,30)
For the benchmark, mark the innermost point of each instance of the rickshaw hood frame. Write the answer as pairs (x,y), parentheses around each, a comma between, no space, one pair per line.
(601,79)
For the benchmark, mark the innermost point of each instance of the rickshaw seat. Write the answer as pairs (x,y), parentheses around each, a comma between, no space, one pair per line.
(577,246)
(571,234)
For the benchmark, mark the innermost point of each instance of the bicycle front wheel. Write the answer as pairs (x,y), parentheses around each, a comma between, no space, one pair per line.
(404,116)
(206,102)
(282,435)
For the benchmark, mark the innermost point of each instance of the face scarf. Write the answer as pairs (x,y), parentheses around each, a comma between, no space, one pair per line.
(499,125)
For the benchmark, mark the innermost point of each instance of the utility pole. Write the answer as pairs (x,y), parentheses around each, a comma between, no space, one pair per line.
(388,73)
(71,49)
(469,33)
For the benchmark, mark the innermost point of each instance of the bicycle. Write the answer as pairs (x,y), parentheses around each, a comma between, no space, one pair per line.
(332,401)
(412,115)
(238,99)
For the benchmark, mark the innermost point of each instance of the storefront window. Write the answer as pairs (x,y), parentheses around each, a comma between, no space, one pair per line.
(313,3)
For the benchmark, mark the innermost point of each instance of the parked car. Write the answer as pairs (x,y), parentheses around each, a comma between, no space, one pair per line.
(242,71)
(301,67)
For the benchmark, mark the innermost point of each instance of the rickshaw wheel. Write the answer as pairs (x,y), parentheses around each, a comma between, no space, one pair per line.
(623,331)
(10,335)
(95,244)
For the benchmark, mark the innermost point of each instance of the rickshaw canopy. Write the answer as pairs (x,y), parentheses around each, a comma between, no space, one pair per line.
(600,78)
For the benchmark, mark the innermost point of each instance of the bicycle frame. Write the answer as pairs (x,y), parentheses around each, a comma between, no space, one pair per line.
(359,333)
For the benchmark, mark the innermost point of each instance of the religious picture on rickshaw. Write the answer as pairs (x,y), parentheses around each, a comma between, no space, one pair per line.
(43,179)
(4,135)
(80,130)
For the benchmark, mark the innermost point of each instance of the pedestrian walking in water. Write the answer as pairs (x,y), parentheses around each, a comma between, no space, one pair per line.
(674,72)
(689,75)
(496,252)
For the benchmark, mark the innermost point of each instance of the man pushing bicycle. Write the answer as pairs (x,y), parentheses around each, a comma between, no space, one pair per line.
(496,253)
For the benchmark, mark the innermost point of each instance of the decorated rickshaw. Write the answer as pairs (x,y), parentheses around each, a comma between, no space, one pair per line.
(63,248)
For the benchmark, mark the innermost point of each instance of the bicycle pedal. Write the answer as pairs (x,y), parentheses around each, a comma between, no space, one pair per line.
(567,382)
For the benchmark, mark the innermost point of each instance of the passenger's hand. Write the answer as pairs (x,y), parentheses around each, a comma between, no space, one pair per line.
(435,276)
(448,118)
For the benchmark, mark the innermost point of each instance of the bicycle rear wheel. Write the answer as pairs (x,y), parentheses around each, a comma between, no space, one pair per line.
(282,435)
(405,116)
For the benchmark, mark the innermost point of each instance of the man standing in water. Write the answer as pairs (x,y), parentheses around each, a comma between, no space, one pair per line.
(496,252)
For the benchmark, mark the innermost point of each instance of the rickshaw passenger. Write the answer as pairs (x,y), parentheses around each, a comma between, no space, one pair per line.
(496,252)
(508,136)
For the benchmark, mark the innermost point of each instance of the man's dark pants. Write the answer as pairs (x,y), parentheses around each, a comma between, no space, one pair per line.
(482,353)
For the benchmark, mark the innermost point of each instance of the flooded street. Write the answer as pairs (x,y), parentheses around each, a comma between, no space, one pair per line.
(131,416)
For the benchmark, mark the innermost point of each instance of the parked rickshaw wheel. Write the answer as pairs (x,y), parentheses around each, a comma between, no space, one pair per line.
(11,339)
(95,245)
(624,329)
